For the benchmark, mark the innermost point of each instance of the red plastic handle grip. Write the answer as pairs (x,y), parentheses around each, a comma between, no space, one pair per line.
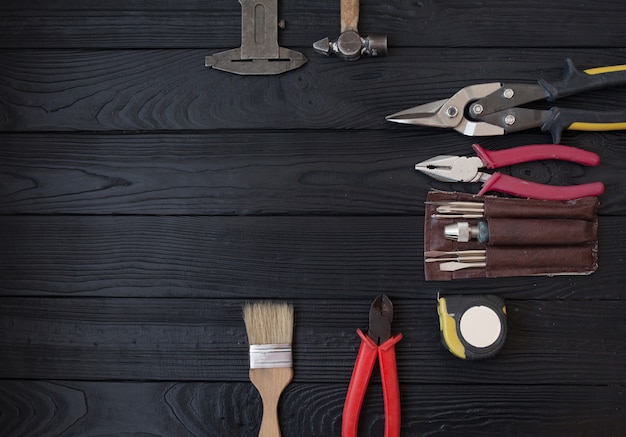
(519,187)
(535,152)
(365,360)
(391,387)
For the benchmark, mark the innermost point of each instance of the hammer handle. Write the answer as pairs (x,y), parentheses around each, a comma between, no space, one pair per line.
(349,15)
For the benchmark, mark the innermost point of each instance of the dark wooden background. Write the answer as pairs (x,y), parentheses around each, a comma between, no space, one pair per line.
(144,198)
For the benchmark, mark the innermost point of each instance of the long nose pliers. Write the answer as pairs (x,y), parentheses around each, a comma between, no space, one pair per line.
(452,168)
(494,108)
(379,344)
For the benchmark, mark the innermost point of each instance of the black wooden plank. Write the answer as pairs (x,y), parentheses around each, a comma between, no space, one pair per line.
(293,257)
(118,90)
(125,168)
(217,23)
(226,410)
(261,173)
(549,342)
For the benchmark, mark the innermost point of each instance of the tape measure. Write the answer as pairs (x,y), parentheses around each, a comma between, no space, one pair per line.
(472,327)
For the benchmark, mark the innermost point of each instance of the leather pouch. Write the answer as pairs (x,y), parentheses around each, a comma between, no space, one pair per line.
(526,237)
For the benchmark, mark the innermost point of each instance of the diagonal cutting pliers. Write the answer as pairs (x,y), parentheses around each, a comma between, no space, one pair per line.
(449,168)
(379,344)
(494,108)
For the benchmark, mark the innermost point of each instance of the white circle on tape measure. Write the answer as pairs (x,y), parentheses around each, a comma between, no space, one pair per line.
(480,326)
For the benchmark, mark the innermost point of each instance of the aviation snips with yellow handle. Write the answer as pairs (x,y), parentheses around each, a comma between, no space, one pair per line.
(493,108)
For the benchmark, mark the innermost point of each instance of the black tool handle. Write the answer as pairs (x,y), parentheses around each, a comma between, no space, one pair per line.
(560,119)
(577,81)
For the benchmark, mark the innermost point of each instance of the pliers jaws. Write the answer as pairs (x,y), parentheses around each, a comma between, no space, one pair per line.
(450,168)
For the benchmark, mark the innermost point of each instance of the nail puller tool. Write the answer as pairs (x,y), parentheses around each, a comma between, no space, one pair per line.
(450,168)
(494,108)
(379,344)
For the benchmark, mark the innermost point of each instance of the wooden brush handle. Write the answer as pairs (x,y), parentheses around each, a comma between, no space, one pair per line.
(270,383)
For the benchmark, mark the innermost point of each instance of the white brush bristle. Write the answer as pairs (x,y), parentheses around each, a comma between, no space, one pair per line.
(268,322)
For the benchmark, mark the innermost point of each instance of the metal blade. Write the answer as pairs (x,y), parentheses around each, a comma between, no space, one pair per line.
(424,115)
(381,315)
(453,266)
(509,96)
(450,113)
(466,259)
(460,253)
(517,119)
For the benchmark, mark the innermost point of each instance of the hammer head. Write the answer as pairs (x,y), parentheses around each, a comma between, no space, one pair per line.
(351,46)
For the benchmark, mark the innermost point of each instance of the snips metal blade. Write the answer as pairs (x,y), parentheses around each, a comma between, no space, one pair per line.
(381,315)
(450,113)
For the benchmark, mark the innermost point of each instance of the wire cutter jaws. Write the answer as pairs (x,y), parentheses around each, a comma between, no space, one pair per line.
(379,344)
(448,168)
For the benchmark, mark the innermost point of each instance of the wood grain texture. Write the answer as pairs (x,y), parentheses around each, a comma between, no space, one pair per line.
(217,23)
(144,198)
(290,257)
(201,409)
(162,90)
(549,342)
(263,173)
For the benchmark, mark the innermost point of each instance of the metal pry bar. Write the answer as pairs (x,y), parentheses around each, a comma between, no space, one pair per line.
(259,53)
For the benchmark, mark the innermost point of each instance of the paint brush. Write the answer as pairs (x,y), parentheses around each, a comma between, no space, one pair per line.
(269,326)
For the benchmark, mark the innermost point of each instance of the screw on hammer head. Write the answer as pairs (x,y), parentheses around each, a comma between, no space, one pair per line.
(350,45)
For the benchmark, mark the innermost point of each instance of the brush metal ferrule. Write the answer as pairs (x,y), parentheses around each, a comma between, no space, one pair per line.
(270,356)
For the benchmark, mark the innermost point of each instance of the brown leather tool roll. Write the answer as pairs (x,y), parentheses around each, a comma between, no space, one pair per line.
(583,209)
(526,237)
(537,257)
(542,232)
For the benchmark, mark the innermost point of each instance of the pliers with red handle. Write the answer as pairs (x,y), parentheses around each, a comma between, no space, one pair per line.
(449,168)
(377,344)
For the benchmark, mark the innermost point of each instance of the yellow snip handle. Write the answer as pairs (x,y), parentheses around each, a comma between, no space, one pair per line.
(599,77)
(602,70)
(596,127)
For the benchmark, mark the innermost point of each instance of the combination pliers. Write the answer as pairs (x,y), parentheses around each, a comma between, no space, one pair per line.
(452,168)
(494,108)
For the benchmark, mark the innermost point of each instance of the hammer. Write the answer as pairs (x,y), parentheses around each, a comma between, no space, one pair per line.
(350,45)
